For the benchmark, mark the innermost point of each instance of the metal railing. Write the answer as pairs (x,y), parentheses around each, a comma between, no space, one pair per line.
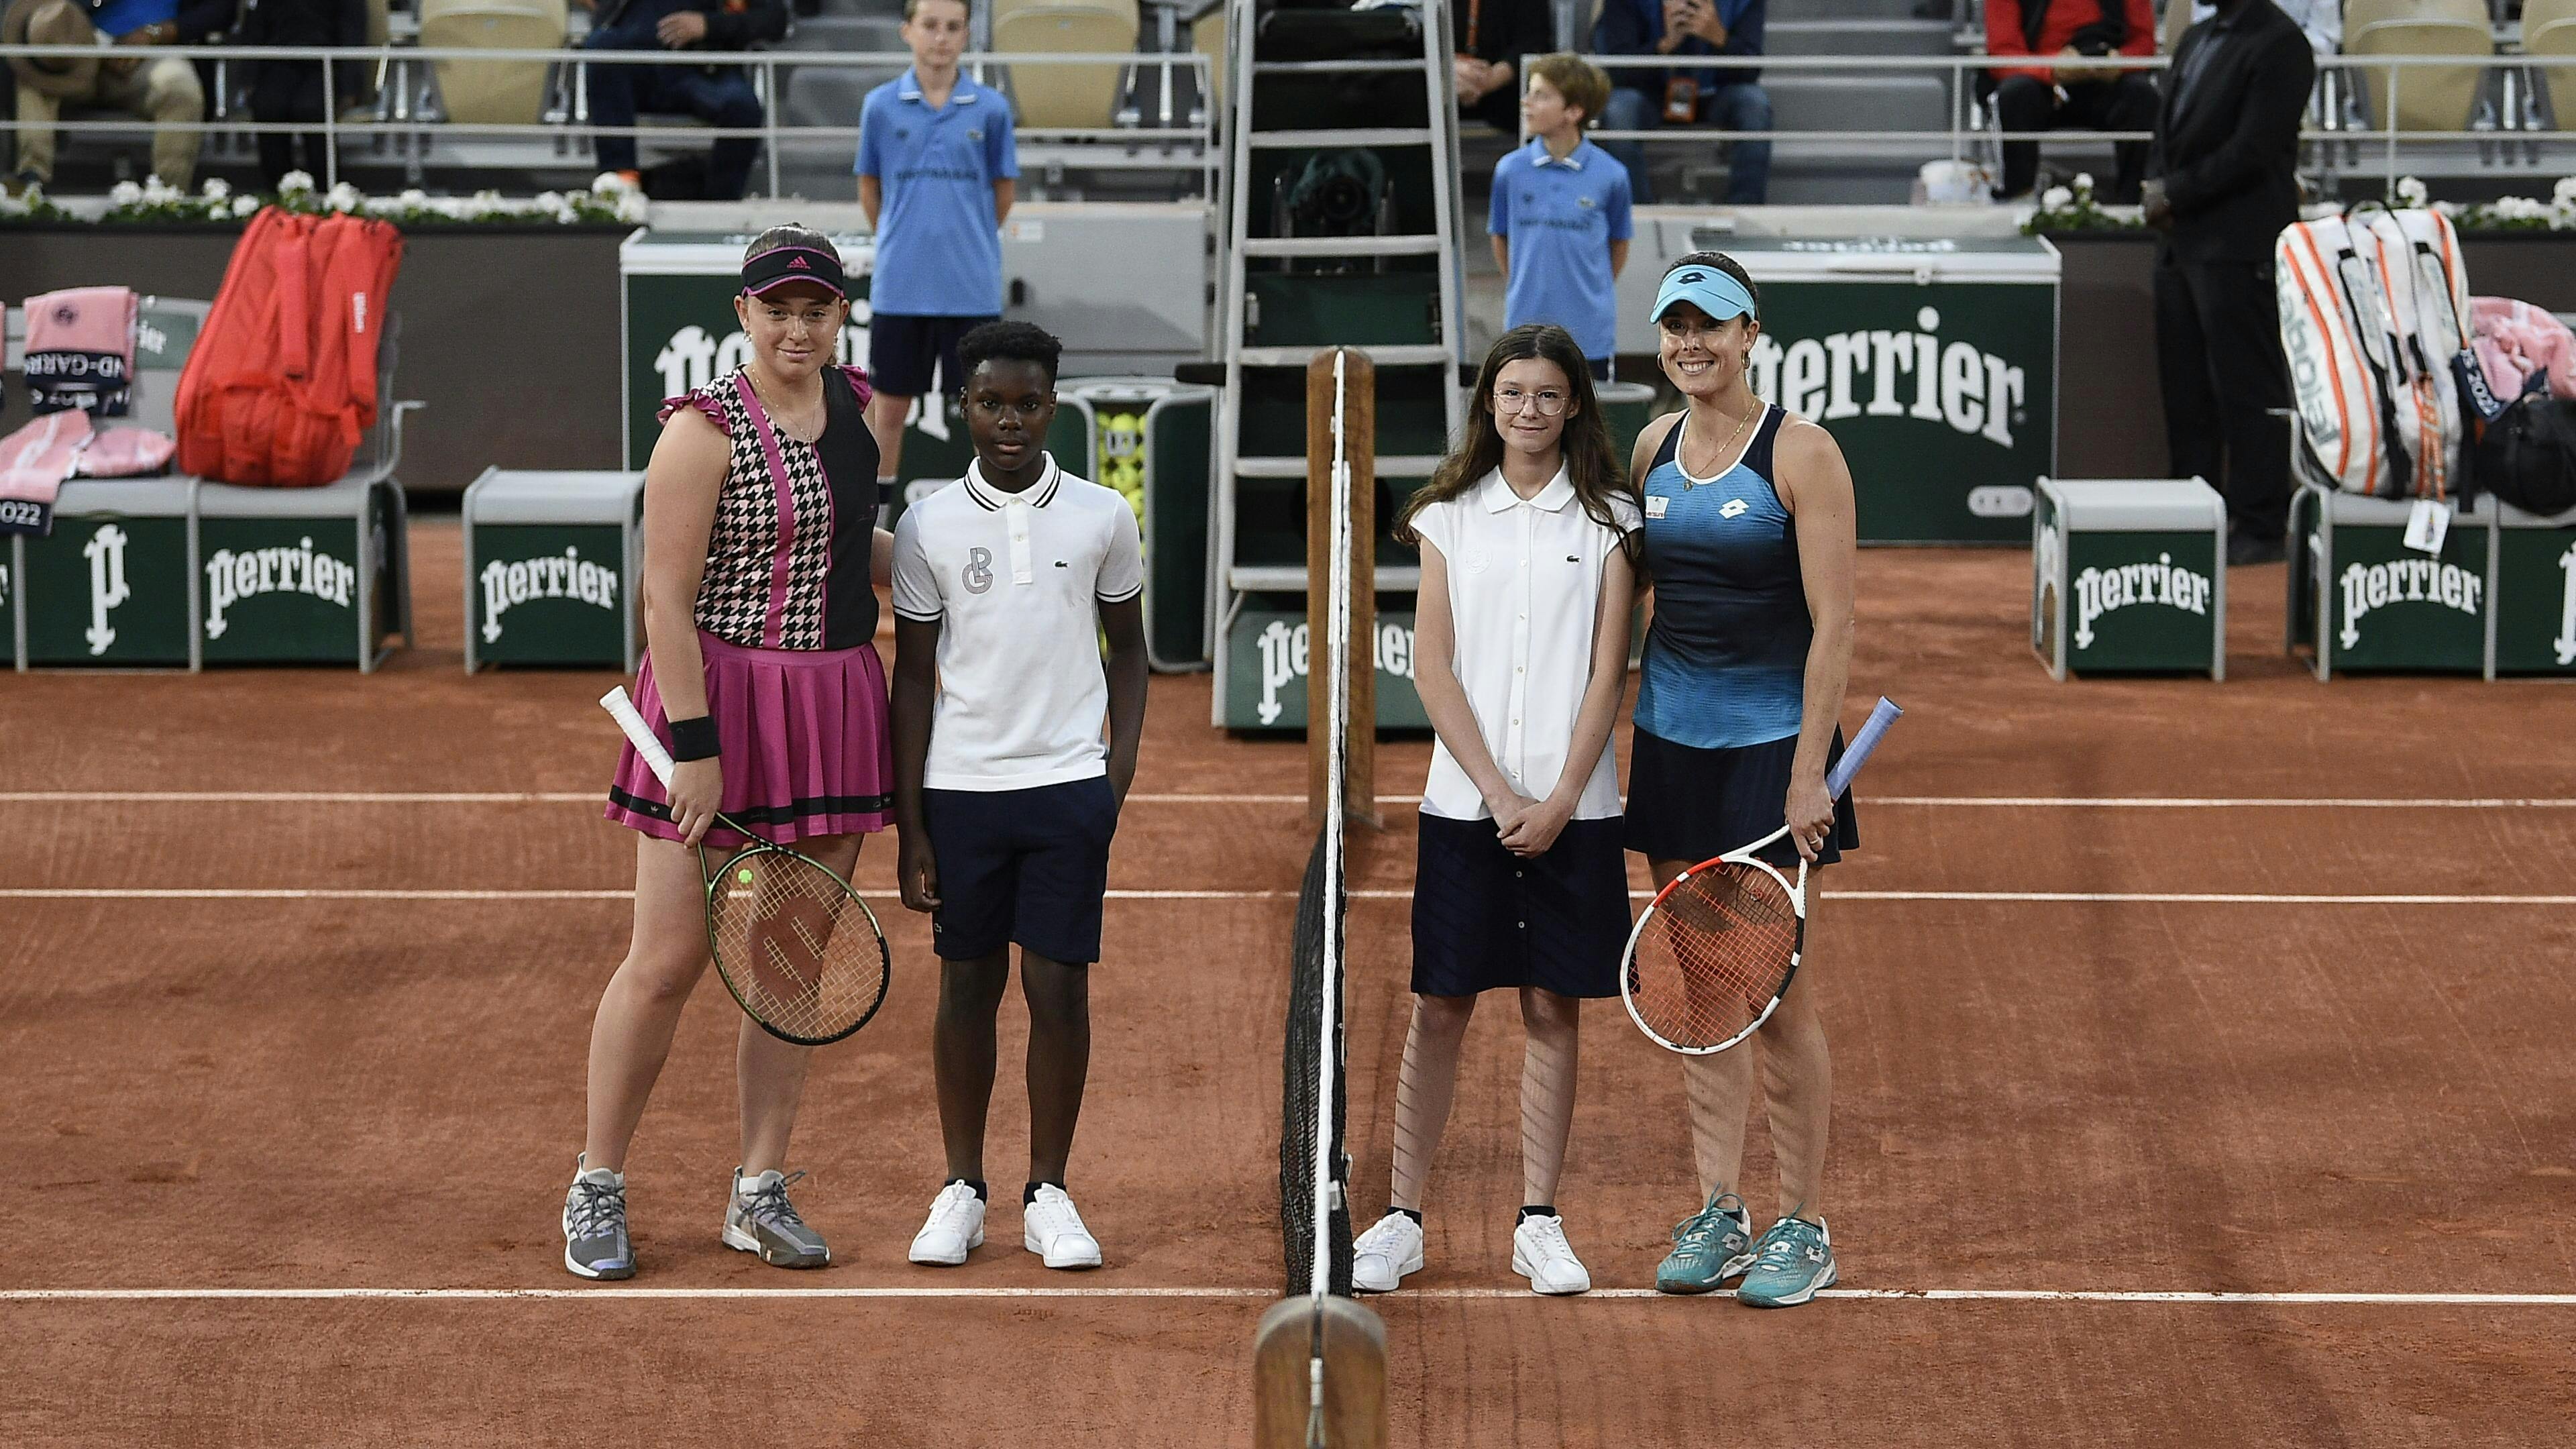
(1188,145)
(2513,118)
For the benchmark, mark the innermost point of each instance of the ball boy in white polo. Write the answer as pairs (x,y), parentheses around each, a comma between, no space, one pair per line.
(1006,796)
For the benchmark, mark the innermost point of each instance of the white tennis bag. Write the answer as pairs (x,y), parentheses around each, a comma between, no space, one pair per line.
(2375,322)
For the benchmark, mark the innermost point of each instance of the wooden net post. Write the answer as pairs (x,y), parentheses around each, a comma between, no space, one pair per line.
(1283,1384)
(1358,398)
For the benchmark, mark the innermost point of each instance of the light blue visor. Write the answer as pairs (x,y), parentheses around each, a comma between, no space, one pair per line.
(1710,290)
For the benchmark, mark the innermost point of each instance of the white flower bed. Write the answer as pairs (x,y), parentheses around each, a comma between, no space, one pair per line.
(610,198)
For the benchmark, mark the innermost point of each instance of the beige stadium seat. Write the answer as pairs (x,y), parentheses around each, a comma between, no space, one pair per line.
(1207,37)
(1065,96)
(2549,30)
(2429,98)
(492,92)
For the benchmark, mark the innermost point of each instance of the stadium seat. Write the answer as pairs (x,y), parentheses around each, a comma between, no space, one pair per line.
(1065,96)
(1207,37)
(2429,98)
(2549,30)
(492,92)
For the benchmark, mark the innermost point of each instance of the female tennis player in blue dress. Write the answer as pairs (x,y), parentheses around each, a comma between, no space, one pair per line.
(762,679)
(1521,654)
(1749,548)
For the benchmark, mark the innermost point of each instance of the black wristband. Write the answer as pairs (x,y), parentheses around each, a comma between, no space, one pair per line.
(693,739)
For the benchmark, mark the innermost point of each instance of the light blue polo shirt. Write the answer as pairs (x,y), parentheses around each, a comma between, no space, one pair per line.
(939,246)
(1561,217)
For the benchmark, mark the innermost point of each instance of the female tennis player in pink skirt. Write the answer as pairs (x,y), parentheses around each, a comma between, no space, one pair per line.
(761,552)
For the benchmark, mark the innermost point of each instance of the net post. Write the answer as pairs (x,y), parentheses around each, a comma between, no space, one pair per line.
(1355,393)
(1351,1341)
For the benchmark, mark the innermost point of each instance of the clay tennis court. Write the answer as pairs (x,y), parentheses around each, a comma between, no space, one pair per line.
(300,969)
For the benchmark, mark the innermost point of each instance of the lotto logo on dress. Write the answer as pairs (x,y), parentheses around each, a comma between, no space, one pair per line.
(232,577)
(548,577)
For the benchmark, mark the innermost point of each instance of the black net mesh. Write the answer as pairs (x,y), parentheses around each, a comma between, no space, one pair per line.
(1302,1081)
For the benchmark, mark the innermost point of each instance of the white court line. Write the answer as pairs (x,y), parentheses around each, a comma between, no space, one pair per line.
(2175,898)
(586,797)
(1930,1295)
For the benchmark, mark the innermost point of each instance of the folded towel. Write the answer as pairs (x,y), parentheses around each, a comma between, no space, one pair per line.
(2514,340)
(80,349)
(34,461)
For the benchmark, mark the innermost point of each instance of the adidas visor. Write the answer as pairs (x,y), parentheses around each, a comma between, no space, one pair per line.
(1710,290)
(773,269)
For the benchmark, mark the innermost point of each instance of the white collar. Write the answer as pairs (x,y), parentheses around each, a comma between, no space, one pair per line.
(1541,156)
(992,499)
(961,94)
(1500,498)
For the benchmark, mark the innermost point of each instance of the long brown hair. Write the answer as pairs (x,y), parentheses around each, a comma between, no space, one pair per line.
(1591,464)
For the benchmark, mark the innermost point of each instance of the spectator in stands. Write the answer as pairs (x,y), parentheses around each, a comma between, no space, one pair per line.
(2320,20)
(720,95)
(1560,222)
(2068,91)
(162,89)
(1730,98)
(1492,36)
(2223,184)
(292,90)
(938,168)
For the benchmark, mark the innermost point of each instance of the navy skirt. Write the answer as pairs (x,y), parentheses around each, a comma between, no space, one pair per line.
(1691,805)
(1484,918)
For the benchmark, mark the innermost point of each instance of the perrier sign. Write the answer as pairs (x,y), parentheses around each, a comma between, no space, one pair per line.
(1933,361)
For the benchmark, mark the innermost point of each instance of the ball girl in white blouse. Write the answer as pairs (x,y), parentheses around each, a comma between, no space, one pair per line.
(1520,654)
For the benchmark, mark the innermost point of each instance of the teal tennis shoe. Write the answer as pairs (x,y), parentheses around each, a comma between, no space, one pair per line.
(1792,1262)
(1709,1247)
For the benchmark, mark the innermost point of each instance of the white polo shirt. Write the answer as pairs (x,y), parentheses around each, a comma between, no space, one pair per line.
(1524,596)
(1015,581)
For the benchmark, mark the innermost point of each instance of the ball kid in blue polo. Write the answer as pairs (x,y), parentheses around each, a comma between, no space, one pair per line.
(1560,216)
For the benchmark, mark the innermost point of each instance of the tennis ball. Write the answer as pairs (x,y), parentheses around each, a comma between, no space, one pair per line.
(743,875)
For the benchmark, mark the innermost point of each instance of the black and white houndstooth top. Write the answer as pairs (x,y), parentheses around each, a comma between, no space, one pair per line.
(788,559)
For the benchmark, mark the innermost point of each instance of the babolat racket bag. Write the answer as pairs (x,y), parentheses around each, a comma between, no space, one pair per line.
(2375,323)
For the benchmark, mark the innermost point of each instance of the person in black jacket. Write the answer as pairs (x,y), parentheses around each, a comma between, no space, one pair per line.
(292,90)
(2223,184)
(1492,36)
(1729,98)
(720,95)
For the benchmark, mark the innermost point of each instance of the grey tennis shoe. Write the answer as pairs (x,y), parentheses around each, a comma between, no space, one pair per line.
(594,1224)
(761,1220)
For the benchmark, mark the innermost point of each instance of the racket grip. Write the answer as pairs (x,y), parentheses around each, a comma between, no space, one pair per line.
(639,734)
(1839,779)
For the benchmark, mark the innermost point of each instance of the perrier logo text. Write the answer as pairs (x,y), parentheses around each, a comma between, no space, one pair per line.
(2407,580)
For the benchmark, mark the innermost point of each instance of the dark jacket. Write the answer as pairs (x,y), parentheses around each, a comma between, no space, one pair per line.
(2230,159)
(1631,27)
(731,24)
(1505,30)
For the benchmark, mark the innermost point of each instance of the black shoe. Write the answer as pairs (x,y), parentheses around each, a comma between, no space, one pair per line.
(2249,548)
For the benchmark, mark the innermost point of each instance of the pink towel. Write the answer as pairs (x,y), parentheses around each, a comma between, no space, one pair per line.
(2514,340)
(34,461)
(80,349)
(126,453)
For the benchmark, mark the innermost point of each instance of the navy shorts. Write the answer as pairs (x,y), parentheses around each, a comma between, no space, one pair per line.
(1690,804)
(1021,865)
(1486,919)
(903,350)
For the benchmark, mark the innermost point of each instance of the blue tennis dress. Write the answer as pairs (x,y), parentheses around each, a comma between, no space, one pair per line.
(1726,657)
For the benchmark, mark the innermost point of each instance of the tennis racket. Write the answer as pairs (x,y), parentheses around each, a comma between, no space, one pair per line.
(794,943)
(1717,948)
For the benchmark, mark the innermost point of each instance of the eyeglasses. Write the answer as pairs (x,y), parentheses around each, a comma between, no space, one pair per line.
(1510,400)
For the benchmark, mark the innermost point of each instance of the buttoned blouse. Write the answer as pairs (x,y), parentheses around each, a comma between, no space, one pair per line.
(1524,603)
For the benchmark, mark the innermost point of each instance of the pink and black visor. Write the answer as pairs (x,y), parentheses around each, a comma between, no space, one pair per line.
(777,268)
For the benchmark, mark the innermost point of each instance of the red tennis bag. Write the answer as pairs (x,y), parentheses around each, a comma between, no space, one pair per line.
(282,381)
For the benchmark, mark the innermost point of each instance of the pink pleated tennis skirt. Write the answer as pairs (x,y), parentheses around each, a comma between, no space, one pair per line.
(803,745)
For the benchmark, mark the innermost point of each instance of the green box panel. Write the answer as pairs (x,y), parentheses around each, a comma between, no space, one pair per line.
(528,607)
(2140,602)
(108,590)
(1939,453)
(8,604)
(1270,521)
(1411,416)
(1179,502)
(2535,601)
(2393,607)
(1305,309)
(283,590)
(1269,657)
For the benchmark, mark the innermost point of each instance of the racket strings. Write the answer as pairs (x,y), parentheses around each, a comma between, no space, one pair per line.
(799,950)
(1714,953)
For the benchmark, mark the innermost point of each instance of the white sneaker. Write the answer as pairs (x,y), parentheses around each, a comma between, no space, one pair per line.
(1054,1231)
(1391,1248)
(1541,1254)
(955,1228)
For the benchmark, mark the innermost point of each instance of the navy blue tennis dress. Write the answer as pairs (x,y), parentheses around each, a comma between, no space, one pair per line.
(1725,669)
